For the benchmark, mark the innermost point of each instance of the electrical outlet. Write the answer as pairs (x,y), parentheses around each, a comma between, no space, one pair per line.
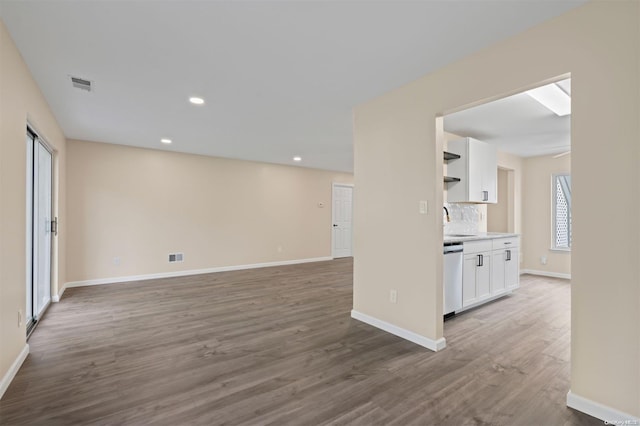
(543,260)
(116,260)
(393,296)
(19,317)
(279,249)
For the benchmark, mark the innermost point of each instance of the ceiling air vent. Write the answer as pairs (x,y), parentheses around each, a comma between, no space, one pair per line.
(81,83)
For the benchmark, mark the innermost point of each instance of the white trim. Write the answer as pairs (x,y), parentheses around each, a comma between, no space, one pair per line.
(607,414)
(553,213)
(28,288)
(114,280)
(434,345)
(333,185)
(546,274)
(39,134)
(561,250)
(13,370)
(56,297)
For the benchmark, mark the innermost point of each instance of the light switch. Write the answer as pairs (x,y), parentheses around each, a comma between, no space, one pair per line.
(424,207)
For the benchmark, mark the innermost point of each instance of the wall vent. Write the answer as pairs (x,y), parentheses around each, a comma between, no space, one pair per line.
(81,83)
(176,257)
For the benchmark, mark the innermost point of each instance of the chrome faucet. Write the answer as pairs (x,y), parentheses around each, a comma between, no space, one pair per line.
(446,210)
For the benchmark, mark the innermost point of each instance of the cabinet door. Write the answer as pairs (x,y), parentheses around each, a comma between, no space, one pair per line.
(489,174)
(469,293)
(512,268)
(498,265)
(475,163)
(483,276)
(482,172)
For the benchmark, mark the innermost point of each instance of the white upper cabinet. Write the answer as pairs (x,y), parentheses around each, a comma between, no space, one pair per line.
(477,169)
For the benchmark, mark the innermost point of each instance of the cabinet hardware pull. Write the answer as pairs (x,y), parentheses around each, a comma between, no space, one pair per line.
(508,255)
(485,195)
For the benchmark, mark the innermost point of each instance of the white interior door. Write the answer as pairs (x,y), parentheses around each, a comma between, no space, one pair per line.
(42,168)
(342,213)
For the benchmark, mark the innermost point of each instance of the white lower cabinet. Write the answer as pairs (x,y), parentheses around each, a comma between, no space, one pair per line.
(512,269)
(498,273)
(491,268)
(506,270)
(476,278)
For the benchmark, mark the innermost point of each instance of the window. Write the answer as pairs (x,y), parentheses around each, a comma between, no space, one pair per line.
(561,201)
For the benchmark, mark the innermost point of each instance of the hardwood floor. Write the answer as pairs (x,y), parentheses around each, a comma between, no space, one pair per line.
(277,346)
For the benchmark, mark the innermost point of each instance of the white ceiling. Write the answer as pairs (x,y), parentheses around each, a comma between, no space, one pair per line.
(517,124)
(279,78)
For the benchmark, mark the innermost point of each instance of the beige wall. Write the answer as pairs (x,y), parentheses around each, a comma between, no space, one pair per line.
(140,205)
(498,214)
(514,165)
(22,101)
(536,241)
(398,161)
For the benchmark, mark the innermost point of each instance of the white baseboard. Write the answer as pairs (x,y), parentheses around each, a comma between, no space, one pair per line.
(13,370)
(434,345)
(56,297)
(114,280)
(545,274)
(606,414)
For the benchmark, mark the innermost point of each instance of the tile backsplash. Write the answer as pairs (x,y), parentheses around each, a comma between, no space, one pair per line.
(465,219)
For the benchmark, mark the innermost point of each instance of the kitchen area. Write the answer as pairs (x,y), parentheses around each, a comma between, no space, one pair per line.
(479,266)
(506,170)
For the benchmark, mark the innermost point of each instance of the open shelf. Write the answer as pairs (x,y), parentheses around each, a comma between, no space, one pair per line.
(451,179)
(450,156)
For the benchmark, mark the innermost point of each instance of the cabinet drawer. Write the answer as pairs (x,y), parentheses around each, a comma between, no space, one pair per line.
(505,243)
(476,246)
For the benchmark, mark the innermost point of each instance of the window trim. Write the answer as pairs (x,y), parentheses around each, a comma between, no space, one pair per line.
(553,247)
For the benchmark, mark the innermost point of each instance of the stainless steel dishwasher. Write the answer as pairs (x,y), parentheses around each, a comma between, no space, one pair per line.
(452,277)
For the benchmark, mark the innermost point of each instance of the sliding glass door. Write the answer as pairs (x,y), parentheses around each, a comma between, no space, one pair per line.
(39,228)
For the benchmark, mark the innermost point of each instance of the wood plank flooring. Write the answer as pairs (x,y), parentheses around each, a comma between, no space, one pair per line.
(276,346)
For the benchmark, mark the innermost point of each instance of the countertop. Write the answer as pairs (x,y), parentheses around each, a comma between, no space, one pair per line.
(479,236)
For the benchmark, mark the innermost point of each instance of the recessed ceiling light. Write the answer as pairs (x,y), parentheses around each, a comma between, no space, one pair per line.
(196,100)
(296,158)
(167,141)
(553,98)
